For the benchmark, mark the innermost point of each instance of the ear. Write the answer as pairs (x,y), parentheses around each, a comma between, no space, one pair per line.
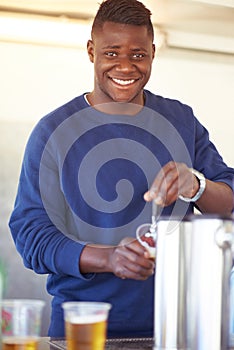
(153,51)
(90,50)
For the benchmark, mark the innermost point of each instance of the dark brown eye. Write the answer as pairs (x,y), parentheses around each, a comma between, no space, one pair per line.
(138,55)
(111,54)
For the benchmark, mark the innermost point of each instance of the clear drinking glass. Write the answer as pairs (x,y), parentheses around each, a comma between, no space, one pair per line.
(21,323)
(86,325)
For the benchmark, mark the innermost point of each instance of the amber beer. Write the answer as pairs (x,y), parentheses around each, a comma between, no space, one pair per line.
(86,333)
(14,343)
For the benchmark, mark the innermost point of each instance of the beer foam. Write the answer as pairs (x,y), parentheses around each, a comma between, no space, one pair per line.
(20,340)
(86,319)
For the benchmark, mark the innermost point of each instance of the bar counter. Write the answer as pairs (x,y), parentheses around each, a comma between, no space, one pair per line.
(112,344)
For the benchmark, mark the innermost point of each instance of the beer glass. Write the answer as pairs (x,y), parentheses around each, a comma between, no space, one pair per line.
(147,238)
(21,323)
(85,325)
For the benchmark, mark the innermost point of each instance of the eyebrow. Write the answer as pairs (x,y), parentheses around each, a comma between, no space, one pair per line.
(118,47)
(111,47)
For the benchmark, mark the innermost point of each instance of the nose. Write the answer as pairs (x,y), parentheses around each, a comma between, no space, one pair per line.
(125,65)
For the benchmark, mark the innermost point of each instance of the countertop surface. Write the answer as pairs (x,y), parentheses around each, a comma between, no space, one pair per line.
(112,344)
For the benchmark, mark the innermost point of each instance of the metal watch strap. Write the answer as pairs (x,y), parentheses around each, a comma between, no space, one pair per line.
(202,182)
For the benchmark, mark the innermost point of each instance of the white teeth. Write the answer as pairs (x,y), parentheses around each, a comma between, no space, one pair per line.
(123,82)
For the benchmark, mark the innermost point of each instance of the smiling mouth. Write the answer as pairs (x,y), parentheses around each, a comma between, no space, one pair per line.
(123,82)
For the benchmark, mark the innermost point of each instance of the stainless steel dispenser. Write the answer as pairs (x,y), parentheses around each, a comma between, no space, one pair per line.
(193,266)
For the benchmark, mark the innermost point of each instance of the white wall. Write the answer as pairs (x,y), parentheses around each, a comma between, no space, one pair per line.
(37,79)
(205,81)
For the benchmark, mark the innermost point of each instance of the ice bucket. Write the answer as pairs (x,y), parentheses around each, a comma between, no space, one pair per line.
(192,289)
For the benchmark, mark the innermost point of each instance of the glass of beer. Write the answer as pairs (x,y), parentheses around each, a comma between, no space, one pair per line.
(21,323)
(147,237)
(86,325)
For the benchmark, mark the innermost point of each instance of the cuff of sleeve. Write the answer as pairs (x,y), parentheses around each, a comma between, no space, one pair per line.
(67,259)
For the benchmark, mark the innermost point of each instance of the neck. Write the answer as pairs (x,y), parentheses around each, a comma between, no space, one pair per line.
(112,107)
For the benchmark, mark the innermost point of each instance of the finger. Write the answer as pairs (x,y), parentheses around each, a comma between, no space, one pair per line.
(129,264)
(160,194)
(133,271)
(137,256)
(159,188)
(170,188)
(132,245)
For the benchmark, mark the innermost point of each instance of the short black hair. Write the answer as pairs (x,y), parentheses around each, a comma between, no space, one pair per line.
(123,11)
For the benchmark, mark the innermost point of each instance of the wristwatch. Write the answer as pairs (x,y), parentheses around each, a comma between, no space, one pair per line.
(202,182)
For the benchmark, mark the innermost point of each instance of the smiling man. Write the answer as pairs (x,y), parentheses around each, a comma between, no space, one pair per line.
(92,167)
(122,55)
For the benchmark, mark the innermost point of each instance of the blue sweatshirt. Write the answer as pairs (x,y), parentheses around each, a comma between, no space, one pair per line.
(83,177)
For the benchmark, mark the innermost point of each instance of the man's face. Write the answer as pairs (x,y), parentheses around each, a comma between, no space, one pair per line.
(122,56)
